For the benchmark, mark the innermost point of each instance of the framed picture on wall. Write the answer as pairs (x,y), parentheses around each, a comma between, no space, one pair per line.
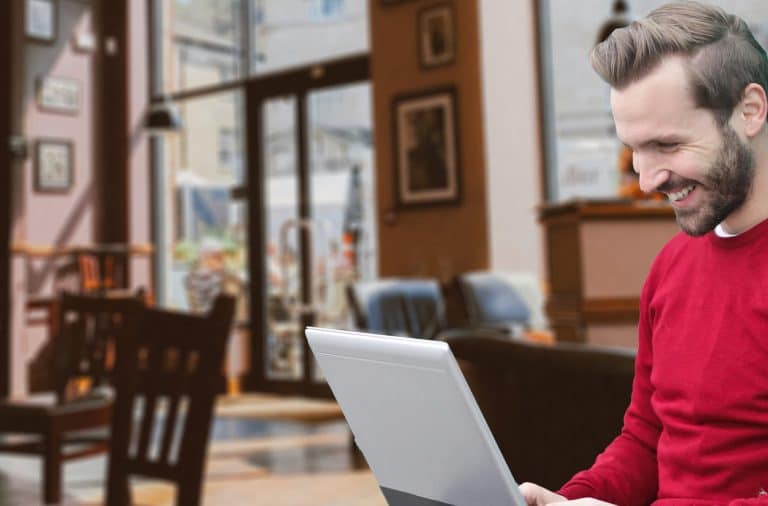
(41,20)
(54,160)
(58,94)
(437,36)
(426,147)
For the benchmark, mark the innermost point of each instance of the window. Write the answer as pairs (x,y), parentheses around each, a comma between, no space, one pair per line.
(201,165)
(202,42)
(282,28)
(217,60)
(228,152)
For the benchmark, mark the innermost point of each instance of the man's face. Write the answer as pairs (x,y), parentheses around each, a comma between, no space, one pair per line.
(705,171)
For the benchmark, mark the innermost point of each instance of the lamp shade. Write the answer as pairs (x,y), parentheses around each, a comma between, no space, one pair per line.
(163,117)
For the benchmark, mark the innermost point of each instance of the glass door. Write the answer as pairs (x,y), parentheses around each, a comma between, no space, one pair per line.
(312,210)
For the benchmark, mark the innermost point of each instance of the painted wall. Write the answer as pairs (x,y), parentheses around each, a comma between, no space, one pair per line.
(43,222)
(49,220)
(513,164)
(437,241)
(59,219)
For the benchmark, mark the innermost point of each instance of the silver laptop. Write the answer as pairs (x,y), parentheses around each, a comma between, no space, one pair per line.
(415,419)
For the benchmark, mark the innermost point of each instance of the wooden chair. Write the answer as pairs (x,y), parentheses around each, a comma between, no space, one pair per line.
(52,425)
(101,267)
(165,381)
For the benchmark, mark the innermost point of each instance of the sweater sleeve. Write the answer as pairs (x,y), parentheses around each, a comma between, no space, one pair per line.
(626,472)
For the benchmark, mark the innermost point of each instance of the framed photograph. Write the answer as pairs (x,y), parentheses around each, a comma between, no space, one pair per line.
(54,165)
(426,148)
(437,36)
(41,20)
(58,94)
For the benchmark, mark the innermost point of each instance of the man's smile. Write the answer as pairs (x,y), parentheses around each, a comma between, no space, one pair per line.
(682,196)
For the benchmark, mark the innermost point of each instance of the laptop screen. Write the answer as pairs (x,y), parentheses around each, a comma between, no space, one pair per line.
(414,419)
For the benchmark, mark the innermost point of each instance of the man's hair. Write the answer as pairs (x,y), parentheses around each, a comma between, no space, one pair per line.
(720,53)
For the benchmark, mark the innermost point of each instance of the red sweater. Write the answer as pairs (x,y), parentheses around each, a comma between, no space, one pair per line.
(696,430)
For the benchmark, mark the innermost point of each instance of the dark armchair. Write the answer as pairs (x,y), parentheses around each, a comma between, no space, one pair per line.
(552,408)
(490,299)
(398,306)
(412,307)
(507,301)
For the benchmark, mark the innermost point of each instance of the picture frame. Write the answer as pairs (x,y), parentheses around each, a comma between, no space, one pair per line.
(437,35)
(54,165)
(41,20)
(58,94)
(426,151)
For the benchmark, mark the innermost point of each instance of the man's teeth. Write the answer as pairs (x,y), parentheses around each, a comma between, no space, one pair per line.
(674,197)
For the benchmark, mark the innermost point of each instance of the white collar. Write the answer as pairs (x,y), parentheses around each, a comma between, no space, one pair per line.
(720,231)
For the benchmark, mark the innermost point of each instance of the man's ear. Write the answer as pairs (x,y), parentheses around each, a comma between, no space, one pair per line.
(753,109)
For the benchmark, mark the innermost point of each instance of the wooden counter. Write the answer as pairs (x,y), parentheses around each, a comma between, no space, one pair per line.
(598,255)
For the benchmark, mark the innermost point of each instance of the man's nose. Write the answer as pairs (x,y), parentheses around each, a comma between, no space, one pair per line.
(652,173)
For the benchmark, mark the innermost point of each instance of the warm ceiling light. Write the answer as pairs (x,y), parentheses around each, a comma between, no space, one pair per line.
(618,19)
(163,117)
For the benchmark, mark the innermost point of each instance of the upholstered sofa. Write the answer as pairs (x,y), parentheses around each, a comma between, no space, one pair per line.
(551,408)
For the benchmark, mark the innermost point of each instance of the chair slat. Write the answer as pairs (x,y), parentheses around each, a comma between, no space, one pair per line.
(178,385)
(170,428)
(147,423)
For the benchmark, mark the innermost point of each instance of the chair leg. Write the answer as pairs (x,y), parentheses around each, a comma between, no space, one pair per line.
(188,494)
(118,488)
(52,467)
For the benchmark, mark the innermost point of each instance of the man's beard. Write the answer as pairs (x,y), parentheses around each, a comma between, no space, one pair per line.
(727,184)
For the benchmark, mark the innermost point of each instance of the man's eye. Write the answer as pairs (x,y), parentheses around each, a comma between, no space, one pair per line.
(667,146)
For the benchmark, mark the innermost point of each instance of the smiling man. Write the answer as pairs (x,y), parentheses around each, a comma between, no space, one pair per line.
(688,94)
(680,148)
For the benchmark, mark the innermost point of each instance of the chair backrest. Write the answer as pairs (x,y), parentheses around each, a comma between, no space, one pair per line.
(398,306)
(166,383)
(490,298)
(425,306)
(84,349)
(100,271)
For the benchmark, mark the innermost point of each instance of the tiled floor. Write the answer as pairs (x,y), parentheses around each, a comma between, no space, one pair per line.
(251,462)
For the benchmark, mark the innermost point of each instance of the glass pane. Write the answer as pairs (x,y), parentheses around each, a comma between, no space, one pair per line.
(201,43)
(289,33)
(284,339)
(342,198)
(204,239)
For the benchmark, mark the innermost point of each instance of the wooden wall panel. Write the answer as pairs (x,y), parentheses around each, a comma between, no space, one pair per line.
(441,240)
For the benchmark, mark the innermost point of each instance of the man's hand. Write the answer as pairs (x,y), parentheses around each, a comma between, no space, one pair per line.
(586,501)
(539,496)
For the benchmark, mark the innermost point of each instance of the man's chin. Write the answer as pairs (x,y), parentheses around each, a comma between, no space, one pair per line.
(693,224)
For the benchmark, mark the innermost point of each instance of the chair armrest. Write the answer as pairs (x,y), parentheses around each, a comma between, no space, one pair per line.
(490,332)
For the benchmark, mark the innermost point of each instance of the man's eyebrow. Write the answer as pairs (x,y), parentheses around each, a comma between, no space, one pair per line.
(661,139)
